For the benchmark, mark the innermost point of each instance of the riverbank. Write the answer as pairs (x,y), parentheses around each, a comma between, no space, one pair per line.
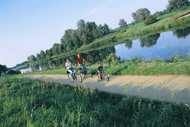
(177,65)
(27,102)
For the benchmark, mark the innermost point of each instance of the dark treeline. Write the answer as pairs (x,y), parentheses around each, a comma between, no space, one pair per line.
(3,69)
(85,33)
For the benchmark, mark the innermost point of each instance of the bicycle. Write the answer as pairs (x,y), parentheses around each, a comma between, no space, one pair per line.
(79,74)
(83,72)
(102,76)
(74,75)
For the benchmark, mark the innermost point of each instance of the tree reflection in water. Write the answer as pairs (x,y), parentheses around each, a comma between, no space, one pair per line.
(182,33)
(150,40)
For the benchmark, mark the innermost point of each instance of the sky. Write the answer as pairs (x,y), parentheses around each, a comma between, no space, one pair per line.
(29,26)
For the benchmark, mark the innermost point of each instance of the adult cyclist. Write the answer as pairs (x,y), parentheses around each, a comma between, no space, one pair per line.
(81,61)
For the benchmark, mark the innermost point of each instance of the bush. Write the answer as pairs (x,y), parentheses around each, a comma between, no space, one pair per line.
(150,20)
(13,72)
(122,30)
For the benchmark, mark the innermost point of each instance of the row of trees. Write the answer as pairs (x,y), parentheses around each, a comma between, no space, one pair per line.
(177,4)
(140,15)
(144,14)
(91,57)
(85,33)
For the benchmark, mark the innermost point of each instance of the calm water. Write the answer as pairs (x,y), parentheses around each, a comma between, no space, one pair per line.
(162,45)
(26,70)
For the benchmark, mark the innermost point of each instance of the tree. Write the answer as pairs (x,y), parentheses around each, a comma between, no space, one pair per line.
(106,29)
(32,62)
(150,20)
(38,58)
(176,4)
(22,65)
(13,72)
(89,31)
(140,15)
(122,23)
(80,24)
(3,68)
(48,57)
(55,52)
(43,58)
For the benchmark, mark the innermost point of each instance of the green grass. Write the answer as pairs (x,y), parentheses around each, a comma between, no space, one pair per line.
(152,67)
(24,102)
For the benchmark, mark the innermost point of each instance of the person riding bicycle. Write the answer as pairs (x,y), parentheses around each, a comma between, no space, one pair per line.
(81,61)
(100,70)
(68,66)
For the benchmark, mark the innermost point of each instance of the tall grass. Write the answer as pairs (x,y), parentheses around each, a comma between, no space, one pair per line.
(25,102)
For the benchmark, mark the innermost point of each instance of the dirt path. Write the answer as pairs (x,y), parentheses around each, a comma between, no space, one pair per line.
(165,88)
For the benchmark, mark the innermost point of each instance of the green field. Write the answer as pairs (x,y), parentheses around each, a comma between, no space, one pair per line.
(34,103)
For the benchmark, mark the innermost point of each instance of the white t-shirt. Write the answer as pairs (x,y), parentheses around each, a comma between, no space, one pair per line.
(68,65)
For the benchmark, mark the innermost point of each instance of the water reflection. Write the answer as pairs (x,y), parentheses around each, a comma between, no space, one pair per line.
(149,41)
(129,44)
(95,56)
(182,33)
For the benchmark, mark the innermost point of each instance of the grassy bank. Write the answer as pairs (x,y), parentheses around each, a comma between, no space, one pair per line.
(177,65)
(34,103)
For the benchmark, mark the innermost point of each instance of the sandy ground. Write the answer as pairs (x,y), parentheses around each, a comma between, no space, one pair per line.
(165,88)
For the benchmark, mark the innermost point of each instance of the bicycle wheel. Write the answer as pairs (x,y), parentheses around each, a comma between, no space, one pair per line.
(107,78)
(79,77)
(90,75)
(74,77)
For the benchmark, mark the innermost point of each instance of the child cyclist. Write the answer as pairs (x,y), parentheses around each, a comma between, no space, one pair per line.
(101,73)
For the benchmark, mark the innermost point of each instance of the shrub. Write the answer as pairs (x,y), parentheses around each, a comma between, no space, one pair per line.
(122,30)
(13,72)
(150,20)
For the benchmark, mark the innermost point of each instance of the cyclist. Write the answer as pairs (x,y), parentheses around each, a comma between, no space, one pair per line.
(100,70)
(81,61)
(68,66)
